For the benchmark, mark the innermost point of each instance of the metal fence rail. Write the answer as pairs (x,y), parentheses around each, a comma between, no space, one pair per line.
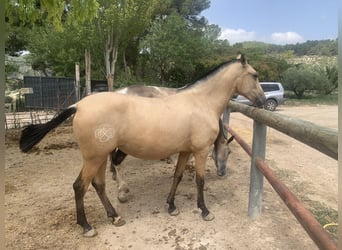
(318,135)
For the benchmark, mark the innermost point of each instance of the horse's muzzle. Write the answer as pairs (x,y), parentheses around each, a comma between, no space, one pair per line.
(259,102)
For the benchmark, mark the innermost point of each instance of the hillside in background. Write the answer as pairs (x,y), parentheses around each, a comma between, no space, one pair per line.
(308,48)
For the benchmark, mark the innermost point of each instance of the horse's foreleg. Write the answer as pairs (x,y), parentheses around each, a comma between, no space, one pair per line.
(200,160)
(180,166)
(100,186)
(117,157)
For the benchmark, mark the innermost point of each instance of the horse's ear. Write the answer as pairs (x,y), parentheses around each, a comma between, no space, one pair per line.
(242,59)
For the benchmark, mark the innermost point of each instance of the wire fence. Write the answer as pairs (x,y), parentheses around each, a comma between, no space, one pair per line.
(15,120)
(41,98)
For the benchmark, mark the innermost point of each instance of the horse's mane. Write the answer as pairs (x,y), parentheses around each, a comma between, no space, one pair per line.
(207,74)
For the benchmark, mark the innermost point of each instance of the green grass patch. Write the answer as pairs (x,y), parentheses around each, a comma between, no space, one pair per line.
(312,99)
(326,216)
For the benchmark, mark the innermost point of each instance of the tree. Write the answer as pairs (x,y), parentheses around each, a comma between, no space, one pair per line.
(178,49)
(118,22)
(170,44)
(327,87)
(302,78)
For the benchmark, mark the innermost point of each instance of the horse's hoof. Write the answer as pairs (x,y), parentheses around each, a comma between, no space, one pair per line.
(91,233)
(118,221)
(175,212)
(208,217)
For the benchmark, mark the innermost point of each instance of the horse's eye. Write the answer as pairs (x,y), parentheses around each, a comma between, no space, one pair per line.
(255,75)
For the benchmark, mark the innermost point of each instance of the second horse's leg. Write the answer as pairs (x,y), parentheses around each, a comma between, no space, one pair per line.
(117,156)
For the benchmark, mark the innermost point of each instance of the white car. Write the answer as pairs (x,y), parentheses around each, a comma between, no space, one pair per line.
(274,92)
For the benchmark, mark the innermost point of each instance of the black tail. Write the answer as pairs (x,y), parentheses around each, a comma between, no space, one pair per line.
(34,133)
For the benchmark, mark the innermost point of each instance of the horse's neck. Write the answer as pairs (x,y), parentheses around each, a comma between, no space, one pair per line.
(218,89)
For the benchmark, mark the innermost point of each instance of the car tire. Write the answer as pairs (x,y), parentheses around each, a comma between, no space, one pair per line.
(270,105)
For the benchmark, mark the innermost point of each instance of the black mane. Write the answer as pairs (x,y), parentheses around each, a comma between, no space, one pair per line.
(207,74)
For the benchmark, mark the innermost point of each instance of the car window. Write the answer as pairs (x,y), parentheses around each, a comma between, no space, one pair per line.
(270,87)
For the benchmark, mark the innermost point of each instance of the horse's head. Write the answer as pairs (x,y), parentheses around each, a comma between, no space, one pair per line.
(220,155)
(248,84)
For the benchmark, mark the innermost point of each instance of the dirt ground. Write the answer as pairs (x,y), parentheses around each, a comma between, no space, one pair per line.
(40,207)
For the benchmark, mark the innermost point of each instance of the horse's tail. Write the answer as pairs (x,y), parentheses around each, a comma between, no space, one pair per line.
(34,133)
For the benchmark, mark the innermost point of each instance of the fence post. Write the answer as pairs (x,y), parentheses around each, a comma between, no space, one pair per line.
(77,81)
(88,71)
(226,115)
(256,177)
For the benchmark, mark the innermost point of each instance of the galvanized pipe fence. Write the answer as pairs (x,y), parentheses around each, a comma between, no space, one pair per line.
(321,138)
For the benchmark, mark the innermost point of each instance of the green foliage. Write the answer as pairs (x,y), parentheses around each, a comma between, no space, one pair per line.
(329,86)
(31,12)
(302,78)
(16,39)
(171,48)
(321,48)
(10,68)
(164,42)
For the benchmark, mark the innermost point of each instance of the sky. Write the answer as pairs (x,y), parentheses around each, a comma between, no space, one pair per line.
(275,21)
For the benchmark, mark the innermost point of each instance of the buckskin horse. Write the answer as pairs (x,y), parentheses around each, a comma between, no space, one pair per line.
(184,123)
(220,151)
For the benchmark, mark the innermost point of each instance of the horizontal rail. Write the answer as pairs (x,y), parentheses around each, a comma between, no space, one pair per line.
(321,138)
(306,219)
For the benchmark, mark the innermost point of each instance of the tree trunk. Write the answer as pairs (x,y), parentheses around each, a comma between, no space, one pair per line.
(110,55)
(110,82)
(88,71)
(125,64)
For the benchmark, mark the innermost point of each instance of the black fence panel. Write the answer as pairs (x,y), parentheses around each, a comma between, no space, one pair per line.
(99,85)
(49,92)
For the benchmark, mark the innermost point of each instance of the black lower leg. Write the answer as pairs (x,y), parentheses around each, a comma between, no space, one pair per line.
(80,214)
(200,196)
(171,202)
(100,189)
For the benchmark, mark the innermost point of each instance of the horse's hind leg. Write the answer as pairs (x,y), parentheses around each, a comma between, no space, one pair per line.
(200,160)
(180,166)
(80,186)
(117,156)
(100,186)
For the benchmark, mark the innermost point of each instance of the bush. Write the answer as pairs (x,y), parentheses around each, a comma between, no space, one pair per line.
(302,78)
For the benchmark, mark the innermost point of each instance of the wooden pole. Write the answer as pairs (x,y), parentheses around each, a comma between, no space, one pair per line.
(88,71)
(321,138)
(77,83)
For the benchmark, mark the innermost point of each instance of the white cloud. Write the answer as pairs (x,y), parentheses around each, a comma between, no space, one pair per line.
(241,35)
(286,38)
(237,35)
